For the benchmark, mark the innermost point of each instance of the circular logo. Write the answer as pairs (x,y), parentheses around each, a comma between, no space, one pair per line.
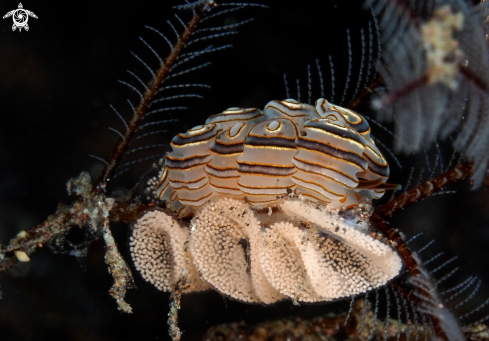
(20,17)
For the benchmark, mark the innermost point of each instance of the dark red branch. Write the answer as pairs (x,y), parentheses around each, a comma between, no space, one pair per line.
(409,261)
(408,198)
(397,242)
(425,190)
(395,95)
(474,78)
(56,225)
(366,91)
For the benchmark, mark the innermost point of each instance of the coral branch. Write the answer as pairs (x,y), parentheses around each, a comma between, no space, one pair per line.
(85,211)
(119,270)
(329,327)
(366,91)
(397,242)
(425,190)
(401,92)
(176,296)
(90,212)
(408,258)
(27,241)
(129,212)
(410,197)
(473,77)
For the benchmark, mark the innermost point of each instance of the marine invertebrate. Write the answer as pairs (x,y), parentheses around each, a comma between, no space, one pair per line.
(243,161)
(324,151)
(435,68)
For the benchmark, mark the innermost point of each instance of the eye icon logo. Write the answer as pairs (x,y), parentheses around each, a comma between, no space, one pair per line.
(20,17)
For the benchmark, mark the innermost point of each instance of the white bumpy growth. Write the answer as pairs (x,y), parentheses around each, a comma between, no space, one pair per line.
(302,251)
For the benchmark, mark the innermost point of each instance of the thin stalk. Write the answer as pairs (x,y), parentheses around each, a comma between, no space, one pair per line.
(120,148)
(424,190)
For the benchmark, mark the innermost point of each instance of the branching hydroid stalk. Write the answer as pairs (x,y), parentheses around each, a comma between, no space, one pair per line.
(202,8)
(424,190)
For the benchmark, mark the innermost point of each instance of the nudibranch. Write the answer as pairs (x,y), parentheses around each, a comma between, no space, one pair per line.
(324,152)
(267,193)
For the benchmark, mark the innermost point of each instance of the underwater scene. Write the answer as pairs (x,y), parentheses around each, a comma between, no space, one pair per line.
(277,170)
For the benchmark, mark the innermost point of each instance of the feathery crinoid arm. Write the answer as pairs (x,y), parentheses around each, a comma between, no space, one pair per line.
(435,66)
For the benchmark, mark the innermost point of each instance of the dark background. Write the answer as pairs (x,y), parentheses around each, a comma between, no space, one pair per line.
(56,83)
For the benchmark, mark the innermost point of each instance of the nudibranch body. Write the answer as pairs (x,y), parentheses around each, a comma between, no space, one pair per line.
(324,152)
(265,192)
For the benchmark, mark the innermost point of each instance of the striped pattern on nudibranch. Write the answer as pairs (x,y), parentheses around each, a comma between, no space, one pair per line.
(324,109)
(329,152)
(186,164)
(232,115)
(287,109)
(266,166)
(324,152)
